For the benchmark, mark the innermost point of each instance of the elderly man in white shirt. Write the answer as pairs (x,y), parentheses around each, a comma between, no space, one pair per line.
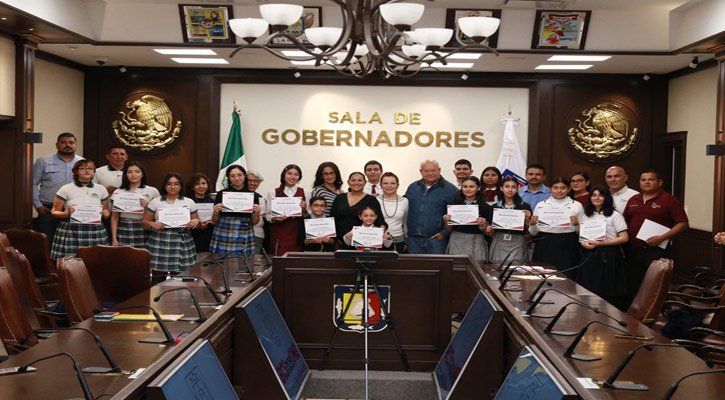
(617,182)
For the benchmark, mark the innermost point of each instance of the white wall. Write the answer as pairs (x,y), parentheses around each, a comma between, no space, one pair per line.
(58,105)
(7,77)
(692,108)
(301,107)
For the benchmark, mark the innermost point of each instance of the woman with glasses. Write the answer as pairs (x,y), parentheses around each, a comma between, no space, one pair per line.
(347,207)
(327,183)
(198,188)
(89,202)
(172,247)
(579,181)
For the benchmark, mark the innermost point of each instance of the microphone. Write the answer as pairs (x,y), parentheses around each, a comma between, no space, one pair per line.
(93,370)
(201,318)
(569,352)
(673,387)
(79,373)
(547,276)
(213,292)
(638,386)
(580,303)
(168,339)
(541,296)
(249,269)
(276,249)
(266,257)
(506,278)
(512,251)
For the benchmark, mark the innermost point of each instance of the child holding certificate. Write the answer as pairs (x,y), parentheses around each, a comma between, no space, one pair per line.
(605,274)
(236,210)
(368,215)
(510,242)
(467,231)
(198,188)
(318,207)
(285,222)
(80,205)
(556,222)
(128,203)
(171,216)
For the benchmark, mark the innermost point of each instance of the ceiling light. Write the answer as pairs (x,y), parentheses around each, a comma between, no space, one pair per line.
(564,66)
(452,65)
(182,60)
(373,52)
(694,62)
(579,58)
(4,18)
(122,69)
(186,52)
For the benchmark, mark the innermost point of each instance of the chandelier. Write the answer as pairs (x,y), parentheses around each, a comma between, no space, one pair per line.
(375,37)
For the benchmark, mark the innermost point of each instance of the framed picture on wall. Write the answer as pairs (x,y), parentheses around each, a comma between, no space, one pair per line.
(206,23)
(559,29)
(311,17)
(459,38)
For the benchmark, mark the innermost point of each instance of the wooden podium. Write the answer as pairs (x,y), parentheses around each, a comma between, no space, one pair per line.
(420,307)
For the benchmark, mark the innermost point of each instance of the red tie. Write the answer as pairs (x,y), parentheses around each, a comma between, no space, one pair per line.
(373,191)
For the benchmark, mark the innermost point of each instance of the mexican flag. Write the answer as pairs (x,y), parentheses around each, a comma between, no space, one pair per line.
(233,153)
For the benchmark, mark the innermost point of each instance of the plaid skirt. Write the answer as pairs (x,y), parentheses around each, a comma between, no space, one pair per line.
(172,249)
(473,244)
(131,233)
(69,237)
(233,234)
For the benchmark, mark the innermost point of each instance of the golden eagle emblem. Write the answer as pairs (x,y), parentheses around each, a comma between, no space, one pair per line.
(148,125)
(604,133)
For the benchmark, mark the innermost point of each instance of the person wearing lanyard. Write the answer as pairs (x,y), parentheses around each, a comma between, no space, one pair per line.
(73,233)
(126,229)
(468,239)
(172,248)
(510,242)
(50,172)
(556,221)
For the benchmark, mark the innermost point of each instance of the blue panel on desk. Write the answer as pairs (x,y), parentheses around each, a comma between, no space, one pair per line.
(529,379)
(462,345)
(200,377)
(279,346)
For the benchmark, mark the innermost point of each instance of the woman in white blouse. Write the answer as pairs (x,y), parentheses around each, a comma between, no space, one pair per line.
(395,210)
(605,273)
(556,223)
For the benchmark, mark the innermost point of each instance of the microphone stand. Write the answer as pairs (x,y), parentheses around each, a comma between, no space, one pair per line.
(93,370)
(249,270)
(506,278)
(547,276)
(214,294)
(558,315)
(266,257)
(569,352)
(220,262)
(168,339)
(87,395)
(541,296)
(201,318)
(512,251)
(637,386)
(675,385)
(276,248)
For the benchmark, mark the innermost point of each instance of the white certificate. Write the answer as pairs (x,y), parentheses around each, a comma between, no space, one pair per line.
(463,214)
(127,202)
(593,229)
(239,202)
(555,216)
(508,219)
(205,210)
(86,214)
(174,217)
(286,207)
(650,228)
(319,227)
(367,236)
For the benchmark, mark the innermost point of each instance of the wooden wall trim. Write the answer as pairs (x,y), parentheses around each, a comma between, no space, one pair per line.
(718,201)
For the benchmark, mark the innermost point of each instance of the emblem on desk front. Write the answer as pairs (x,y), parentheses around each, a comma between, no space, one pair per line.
(147,124)
(348,309)
(607,133)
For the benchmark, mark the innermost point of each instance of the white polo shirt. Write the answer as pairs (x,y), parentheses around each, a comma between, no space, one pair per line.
(75,193)
(107,176)
(622,197)
(162,202)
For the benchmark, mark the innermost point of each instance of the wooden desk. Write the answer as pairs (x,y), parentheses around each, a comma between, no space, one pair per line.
(657,369)
(55,378)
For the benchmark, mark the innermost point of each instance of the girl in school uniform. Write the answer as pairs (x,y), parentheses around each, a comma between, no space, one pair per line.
(283,230)
(70,236)
(126,229)
(469,239)
(490,178)
(369,217)
(556,221)
(605,274)
(234,231)
(172,249)
(198,188)
(510,242)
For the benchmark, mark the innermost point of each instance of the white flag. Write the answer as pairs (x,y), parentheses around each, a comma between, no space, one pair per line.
(510,161)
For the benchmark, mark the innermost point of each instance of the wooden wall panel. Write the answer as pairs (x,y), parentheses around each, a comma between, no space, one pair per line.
(693,249)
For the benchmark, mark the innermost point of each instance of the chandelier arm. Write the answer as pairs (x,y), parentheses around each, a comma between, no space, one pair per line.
(272,52)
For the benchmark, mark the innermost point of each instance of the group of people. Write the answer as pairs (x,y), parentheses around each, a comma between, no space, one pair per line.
(417,222)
